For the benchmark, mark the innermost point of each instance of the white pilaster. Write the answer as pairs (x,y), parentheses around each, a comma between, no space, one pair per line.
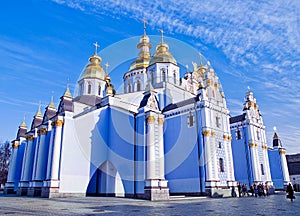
(286,176)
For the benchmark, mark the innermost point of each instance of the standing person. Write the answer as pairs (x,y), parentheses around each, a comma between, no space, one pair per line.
(290,192)
(239,188)
(255,190)
(267,189)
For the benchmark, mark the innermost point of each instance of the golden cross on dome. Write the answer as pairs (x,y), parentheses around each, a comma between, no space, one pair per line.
(96,47)
(145,23)
(68,83)
(200,55)
(162,35)
(187,67)
(106,66)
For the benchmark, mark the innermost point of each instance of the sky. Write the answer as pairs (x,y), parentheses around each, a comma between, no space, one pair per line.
(45,43)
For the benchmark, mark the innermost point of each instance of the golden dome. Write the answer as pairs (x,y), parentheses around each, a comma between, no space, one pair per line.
(162,54)
(144,55)
(93,69)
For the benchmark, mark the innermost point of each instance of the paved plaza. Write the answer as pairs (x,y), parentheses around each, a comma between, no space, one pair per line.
(272,205)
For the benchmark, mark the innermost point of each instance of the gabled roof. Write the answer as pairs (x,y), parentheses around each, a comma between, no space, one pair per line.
(180,104)
(238,118)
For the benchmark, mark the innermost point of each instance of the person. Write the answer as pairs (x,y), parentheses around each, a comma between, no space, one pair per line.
(290,192)
(244,190)
(267,189)
(255,190)
(239,188)
(252,190)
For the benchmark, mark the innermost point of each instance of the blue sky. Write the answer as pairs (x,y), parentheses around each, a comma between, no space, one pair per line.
(249,43)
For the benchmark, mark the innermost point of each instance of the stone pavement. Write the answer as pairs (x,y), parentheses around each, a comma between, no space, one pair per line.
(273,205)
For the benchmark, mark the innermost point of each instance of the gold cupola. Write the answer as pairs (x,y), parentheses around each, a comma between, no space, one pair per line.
(144,55)
(162,53)
(94,69)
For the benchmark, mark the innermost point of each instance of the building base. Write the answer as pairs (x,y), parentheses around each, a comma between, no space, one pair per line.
(156,190)
(222,192)
(34,191)
(22,191)
(9,188)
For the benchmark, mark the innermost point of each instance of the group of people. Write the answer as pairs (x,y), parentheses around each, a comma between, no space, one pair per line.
(255,190)
(262,190)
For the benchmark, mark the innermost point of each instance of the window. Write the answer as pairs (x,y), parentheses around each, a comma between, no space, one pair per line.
(190,119)
(163,75)
(138,85)
(257,133)
(238,134)
(218,123)
(262,169)
(174,76)
(221,164)
(99,89)
(129,88)
(89,88)
(220,145)
(152,78)
(81,89)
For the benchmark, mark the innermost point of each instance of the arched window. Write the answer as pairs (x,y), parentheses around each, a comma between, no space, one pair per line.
(163,74)
(152,78)
(174,76)
(129,88)
(221,164)
(138,85)
(99,89)
(81,89)
(238,134)
(89,88)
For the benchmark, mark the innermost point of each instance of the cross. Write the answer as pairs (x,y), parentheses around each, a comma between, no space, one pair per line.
(162,35)
(145,22)
(274,128)
(52,95)
(106,66)
(96,47)
(200,55)
(248,87)
(187,67)
(68,83)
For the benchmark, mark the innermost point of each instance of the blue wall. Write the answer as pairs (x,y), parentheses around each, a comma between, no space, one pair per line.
(241,158)
(185,177)
(276,168)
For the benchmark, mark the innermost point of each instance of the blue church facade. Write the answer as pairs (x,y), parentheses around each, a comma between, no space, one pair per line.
(165,135)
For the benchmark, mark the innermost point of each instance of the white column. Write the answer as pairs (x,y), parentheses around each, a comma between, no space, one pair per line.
(55,162)
(40,154)
(214,158)
(150,148)
(13,163)
(229,157)
(50,152)
(286,176)
(208,156)
(267,164)
(27,159)
(257,163)
(254,161)
(161,148)
(37,137)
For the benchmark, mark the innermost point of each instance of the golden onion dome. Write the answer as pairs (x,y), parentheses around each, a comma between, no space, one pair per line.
(162,55)
(93,69)
(144,55)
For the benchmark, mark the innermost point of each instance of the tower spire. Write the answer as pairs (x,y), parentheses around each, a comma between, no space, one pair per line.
(162,36)
(200,55)
(96,47)
(106,68)
(145,23)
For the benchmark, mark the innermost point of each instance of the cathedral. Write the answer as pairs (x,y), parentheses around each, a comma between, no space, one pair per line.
(164,135)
